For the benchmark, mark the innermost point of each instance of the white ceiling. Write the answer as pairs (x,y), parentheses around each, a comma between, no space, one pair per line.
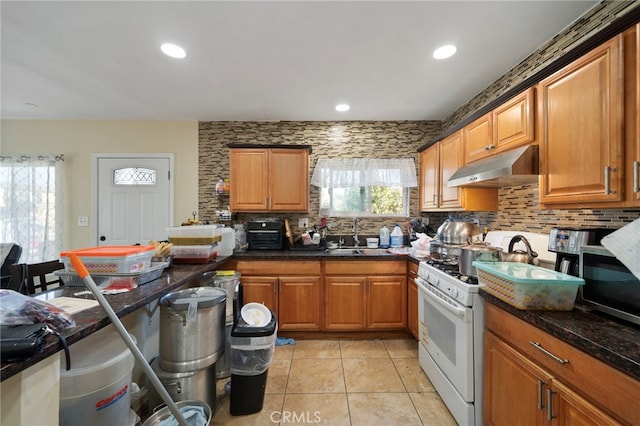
(266,60)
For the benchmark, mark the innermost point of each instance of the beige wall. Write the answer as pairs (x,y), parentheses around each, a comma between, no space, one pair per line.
(79,140)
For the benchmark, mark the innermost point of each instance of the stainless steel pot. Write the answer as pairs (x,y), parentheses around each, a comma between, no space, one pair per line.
(441,251)
(477,251)
(192,328)
(521,256)
(199,385)
(457,232)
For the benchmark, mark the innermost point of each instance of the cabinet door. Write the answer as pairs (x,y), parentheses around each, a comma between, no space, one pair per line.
(451,159)
(478,139)
(412,300)
(429,177)
(344,303)
(514,387)
(289,180)
(299,302)
(262,290)
(581,135)
(248,175)
(387,302)
(632,115)
(570,409)
(513,122)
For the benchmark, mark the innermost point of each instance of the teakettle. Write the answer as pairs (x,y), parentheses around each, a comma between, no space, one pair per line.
(521,256)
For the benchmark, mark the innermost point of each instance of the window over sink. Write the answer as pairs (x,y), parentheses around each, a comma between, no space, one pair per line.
(365,186)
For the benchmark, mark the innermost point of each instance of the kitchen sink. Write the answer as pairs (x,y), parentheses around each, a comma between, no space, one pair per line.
(351,251)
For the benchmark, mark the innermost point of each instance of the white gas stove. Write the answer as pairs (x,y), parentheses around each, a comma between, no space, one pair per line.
(451,327)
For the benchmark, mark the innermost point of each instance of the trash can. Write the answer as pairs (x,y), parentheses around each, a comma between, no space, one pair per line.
(252,351)
(97,389)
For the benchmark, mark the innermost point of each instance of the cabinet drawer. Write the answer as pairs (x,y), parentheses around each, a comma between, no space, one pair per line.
(366,267)
(267,267)
(609,389)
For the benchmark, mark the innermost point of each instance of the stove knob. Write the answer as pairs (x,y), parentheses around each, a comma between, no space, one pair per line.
(453,292)
(436,281)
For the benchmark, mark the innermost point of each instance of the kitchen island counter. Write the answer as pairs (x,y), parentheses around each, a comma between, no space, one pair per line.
(91,320)
(608,339)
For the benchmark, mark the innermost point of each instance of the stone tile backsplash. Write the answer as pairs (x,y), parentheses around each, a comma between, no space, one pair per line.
(518,205)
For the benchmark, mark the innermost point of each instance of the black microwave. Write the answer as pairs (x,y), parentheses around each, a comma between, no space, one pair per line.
(609,286)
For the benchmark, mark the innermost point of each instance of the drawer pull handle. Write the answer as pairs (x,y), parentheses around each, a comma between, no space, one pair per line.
(557,358)
(541,386)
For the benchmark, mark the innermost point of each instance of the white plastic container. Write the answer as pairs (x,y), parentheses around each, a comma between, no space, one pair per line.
(194,234)
(225,247)
(384,237)
(396,237)
(97,389)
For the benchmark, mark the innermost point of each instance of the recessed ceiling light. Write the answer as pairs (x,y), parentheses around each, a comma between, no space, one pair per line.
(445,52)
(173,50)
(342,107)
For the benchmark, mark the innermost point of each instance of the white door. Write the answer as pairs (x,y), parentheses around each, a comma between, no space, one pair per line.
(134,198)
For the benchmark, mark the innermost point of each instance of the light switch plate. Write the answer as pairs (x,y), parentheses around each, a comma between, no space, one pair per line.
(303,222)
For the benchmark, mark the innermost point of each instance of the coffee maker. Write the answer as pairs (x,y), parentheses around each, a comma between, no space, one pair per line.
(566,242)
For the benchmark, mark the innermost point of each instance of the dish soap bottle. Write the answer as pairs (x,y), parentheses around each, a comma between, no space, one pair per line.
(396,236)
(384,237)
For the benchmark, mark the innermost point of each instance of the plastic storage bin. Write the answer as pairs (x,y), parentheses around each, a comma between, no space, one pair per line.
(527,286)
(104,259)
(96,391)
(194,234)
(194,252)
(251,355)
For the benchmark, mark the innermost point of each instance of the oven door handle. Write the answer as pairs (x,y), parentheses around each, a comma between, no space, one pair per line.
(460,312)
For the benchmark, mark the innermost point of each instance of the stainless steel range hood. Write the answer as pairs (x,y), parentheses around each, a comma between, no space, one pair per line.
(518,166)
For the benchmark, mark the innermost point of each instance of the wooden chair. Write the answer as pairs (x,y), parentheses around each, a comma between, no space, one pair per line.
(13,253)
(23,276)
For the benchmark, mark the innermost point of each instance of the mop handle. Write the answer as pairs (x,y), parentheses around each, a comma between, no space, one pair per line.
(84,275)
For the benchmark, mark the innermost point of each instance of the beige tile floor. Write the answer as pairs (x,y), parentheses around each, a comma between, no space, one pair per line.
(344,382)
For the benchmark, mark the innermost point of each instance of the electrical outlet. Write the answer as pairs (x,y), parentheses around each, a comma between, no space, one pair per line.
(303,222)
(475,220)
(83,221)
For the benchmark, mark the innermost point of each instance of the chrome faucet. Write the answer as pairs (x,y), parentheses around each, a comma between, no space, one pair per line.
(356,241)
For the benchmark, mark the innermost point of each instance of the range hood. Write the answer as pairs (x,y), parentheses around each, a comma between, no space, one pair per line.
(518,166)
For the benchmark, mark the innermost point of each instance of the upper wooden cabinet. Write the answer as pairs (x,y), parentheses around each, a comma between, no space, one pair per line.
(580,129)
(632,115)
(437,164)
(514,122)
(478,139)
(509,126)
(269,179)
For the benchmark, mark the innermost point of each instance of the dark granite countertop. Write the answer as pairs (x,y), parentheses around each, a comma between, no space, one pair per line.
(608,339)
(316,254)
(91,320)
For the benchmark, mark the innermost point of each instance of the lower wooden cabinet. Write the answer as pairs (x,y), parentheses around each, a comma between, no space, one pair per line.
(525,385)
(292,290)
(363,295)
(412,299)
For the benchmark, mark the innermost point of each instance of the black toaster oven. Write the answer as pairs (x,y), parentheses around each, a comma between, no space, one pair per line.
(266,234)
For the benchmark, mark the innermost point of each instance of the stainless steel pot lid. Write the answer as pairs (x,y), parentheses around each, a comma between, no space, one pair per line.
(204,297)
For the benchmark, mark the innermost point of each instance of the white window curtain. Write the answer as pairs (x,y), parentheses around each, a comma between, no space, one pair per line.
(364,172)
(31,205)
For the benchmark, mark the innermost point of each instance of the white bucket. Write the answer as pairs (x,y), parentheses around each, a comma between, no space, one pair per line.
(97,389)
